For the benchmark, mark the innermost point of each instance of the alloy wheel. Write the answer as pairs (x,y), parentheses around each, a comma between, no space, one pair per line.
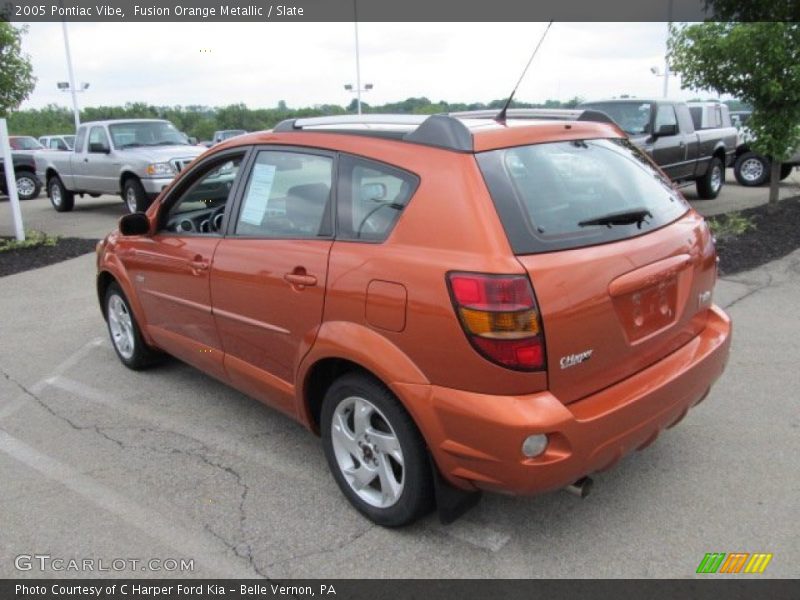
(121,326)
(368,452)
(55,193)
(130,199)
(25,186)
(752,169)
(716,178)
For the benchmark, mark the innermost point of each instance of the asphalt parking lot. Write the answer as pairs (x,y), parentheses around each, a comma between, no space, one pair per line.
(99,462)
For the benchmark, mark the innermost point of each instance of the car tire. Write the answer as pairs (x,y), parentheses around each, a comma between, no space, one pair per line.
(786,170)
(134,196)
(710,184)
(751,169)
(379,460)
(28,186)
(60,197)
(126,337)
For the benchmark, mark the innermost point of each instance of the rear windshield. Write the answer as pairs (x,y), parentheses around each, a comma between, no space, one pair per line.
(632,117)
(550,196)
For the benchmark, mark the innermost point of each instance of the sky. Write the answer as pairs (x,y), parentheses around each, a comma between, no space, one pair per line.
(304,64)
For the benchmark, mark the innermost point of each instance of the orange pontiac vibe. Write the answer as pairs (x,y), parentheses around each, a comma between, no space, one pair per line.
(454,303)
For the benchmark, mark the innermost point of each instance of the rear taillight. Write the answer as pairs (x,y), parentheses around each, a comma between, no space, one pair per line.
(500,317)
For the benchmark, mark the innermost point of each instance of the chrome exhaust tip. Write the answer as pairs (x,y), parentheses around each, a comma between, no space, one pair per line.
(581,488)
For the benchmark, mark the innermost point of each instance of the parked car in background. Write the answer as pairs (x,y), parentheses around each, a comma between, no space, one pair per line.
(23,149)
(750,168)
(134,158)
(478,306)
(57,142)
(665,130)
(739,118)
(226,134)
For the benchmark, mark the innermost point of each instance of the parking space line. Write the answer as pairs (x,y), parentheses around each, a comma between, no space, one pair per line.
(475,534)
(293,470)
(197,545)
(16,404)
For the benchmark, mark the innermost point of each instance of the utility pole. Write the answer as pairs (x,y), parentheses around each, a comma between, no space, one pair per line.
(358,60)
(72,88)
(666,59)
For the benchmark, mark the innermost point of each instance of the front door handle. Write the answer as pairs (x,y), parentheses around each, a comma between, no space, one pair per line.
(300,278)
(198,264)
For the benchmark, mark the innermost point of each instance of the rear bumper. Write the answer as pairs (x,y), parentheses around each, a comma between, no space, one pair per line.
(476,439)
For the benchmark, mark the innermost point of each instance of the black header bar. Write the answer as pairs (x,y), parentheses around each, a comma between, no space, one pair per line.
(391,10)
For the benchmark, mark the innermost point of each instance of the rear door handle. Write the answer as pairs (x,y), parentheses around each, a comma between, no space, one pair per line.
(300,279)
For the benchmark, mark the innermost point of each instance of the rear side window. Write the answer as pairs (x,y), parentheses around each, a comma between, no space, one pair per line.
(80,139)
(547,195)
(372,196)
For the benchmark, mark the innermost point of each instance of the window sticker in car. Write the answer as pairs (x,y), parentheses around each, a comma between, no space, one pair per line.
(255,204)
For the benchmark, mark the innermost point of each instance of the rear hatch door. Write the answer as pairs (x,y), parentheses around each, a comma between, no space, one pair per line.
(622,268)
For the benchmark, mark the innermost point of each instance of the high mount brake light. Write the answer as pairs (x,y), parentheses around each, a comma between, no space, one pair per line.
(500,316)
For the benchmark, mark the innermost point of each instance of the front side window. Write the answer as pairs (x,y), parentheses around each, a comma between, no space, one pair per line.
(200,209)
(665,116)
(288,195)
(372,196)
(98,140)
(563,195)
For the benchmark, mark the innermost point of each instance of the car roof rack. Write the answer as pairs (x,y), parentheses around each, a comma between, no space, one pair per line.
(552,114)
(447,131)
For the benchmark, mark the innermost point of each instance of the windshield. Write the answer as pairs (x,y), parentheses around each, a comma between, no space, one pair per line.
(226,135)
(24,143)
(148,133)
(632,117)
(549,196)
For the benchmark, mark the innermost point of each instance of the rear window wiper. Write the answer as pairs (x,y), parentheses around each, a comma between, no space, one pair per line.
(628,217)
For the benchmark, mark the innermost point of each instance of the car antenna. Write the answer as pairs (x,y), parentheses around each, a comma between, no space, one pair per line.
(501,116)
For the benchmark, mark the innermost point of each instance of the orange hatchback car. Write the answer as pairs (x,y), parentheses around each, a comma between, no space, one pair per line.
(453,303)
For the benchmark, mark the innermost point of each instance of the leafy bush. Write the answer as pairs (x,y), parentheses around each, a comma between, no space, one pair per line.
(730,225)
(33,239)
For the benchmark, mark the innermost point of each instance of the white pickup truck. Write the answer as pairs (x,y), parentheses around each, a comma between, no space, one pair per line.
(134,158)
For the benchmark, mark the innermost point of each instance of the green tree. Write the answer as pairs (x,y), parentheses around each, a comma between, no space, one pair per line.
(16,73)
(758,63)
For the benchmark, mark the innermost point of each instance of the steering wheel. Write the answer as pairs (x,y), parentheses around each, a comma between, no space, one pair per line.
(216,218)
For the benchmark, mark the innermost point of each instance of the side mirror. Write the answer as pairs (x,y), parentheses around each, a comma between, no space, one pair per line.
(664,130)
(134,224)
(97,148)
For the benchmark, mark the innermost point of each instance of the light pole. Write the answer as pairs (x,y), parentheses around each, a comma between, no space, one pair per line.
(657,72)
(65,86)
(349,87)
(358,89)
(71,77)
